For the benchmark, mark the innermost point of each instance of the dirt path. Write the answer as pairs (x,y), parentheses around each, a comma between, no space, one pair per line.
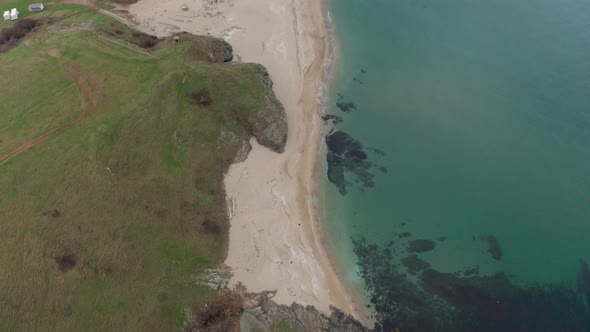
(87,85)
(40,139)
(90,3)
(82,84)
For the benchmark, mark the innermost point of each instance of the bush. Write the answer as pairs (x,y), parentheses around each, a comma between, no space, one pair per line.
(9,37)
(201,97)
(220,315)
(144,40)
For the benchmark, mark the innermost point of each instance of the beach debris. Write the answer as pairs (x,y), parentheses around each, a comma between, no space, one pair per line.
(184,7)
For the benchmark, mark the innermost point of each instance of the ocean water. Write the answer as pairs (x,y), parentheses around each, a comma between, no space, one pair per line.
(459,161)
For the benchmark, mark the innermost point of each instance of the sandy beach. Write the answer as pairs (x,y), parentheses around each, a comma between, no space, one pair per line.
(275,241)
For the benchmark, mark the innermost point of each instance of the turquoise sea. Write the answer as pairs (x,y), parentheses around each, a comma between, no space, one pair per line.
(458,166)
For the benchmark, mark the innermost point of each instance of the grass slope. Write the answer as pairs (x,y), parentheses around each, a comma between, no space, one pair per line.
(111,195)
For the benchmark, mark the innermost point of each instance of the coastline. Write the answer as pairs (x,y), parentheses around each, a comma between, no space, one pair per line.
(276,241)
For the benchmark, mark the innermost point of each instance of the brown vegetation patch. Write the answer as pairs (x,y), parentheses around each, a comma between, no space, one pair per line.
(87,83)
(65,262)
(220,315)
(52,52)
(11,37)
(210,227)
(144,40)
(201,97)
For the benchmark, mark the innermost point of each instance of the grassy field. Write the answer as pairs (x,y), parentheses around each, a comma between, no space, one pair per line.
(111,196)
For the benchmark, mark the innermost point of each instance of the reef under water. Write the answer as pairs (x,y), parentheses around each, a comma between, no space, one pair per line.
(347,155)
(413,297)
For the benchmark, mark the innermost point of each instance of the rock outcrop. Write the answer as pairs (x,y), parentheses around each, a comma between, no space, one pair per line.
(269,126)
(243,143)
(271,316)
(206,48)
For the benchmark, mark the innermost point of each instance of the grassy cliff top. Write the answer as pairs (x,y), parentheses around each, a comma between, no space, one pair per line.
(111,166)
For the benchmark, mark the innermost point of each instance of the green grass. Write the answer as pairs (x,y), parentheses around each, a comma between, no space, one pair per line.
(131,197)
(283,326)
(55,9)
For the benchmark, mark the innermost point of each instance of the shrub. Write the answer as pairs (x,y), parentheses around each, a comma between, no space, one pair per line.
(201,97)
(9,37)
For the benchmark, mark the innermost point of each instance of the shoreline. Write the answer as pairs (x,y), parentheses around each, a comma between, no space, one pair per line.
(276,239)
(329,75)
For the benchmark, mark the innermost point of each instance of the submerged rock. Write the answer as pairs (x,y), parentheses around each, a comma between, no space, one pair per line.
(465,302)
(345,106)
(493,247)
(345,154)
(414,264)
(421,246)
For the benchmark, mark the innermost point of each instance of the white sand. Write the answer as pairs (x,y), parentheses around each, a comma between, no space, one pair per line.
(274,241)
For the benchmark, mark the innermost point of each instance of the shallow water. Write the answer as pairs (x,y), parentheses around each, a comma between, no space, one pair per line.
(472,119)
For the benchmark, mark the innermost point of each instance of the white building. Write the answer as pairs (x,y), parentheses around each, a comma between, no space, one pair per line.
(14,14)
(7,15)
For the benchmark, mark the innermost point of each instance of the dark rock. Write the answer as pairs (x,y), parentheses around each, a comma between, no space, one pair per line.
(299,318)
(346,106)
(334,119)
(345,154)
(414,264)
(471,272)
(243,143)
(421,246)
(243,152)
(404,235)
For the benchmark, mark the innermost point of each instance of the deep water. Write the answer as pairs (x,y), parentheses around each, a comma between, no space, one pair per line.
(458,166)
